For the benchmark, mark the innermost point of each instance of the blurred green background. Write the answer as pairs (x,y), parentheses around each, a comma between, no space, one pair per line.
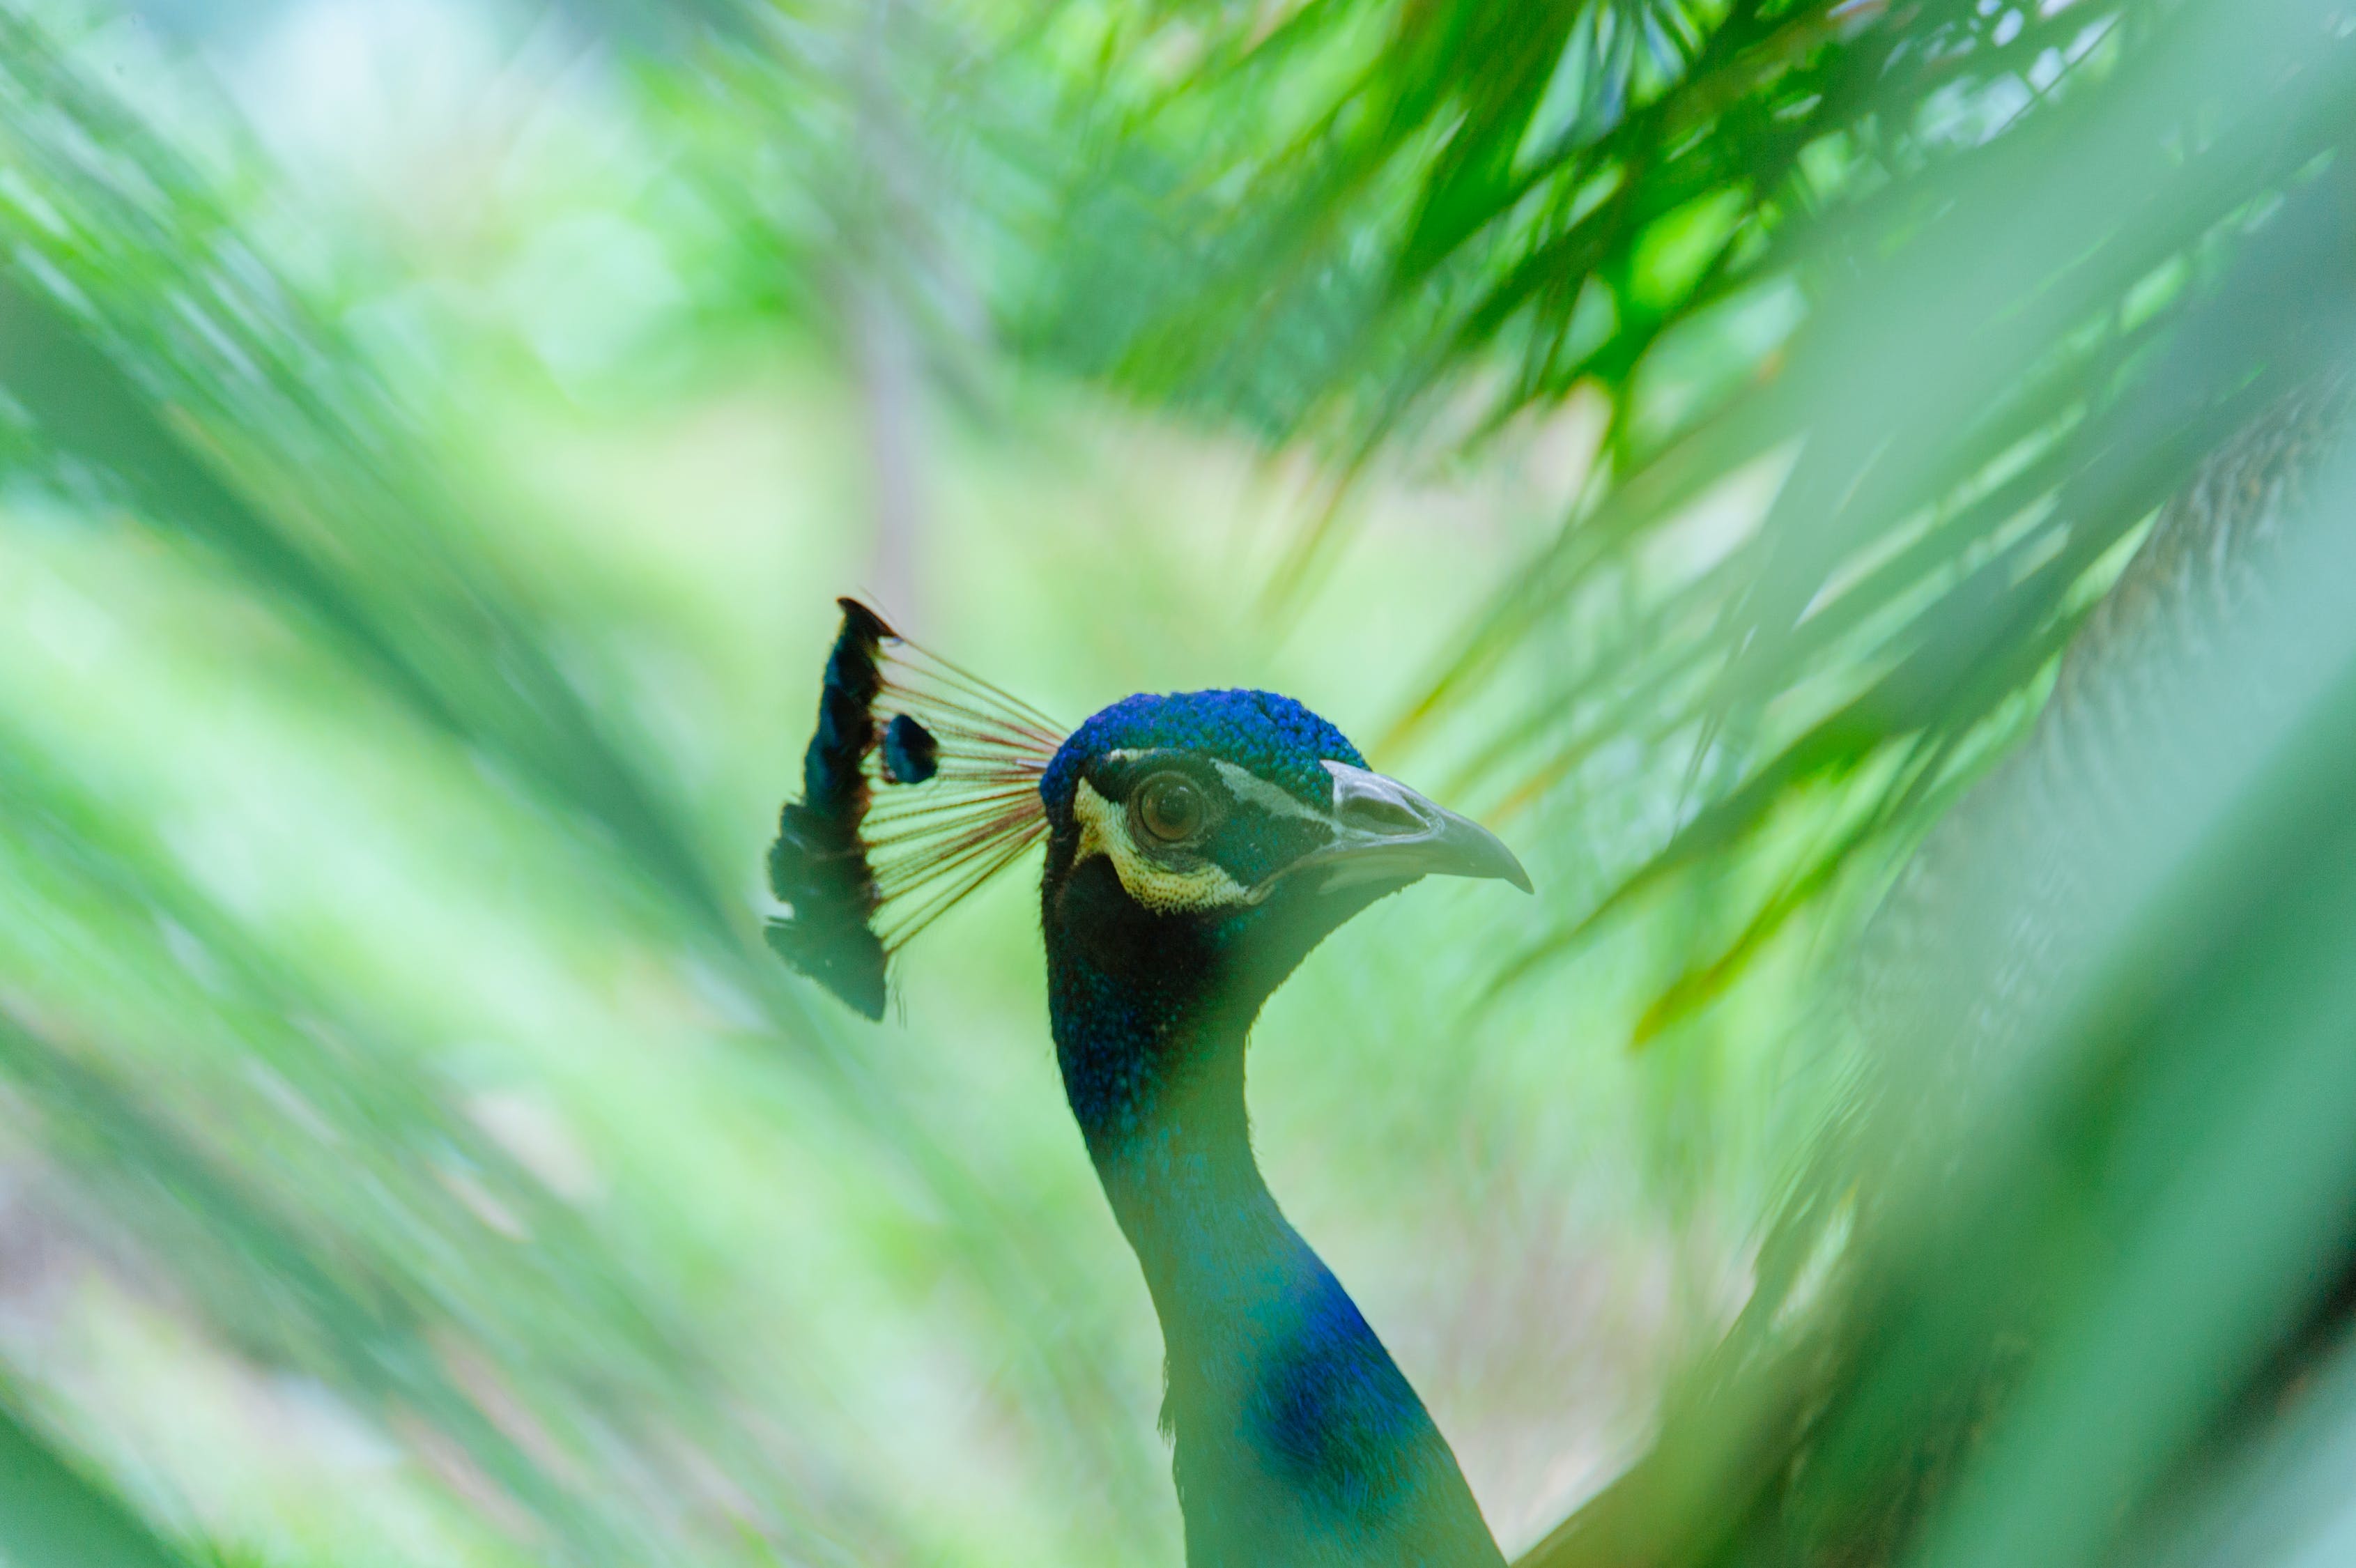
(432,434)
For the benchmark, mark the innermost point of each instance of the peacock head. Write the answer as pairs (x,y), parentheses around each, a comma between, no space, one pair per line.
(1200,844)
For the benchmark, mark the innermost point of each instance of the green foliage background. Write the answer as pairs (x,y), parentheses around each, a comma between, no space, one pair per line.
(434,435)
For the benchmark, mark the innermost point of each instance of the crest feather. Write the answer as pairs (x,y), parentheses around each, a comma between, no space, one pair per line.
(920,783)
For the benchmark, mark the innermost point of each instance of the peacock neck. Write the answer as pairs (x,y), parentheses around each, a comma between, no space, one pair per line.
(1294,1437)
(1180,1173)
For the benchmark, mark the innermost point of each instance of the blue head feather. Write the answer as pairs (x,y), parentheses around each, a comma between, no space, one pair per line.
(1270,735)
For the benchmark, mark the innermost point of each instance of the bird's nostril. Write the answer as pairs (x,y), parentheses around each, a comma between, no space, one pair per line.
(1376,812)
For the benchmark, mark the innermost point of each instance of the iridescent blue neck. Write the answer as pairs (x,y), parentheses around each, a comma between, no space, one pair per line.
(1157,1085)
(1294,1437)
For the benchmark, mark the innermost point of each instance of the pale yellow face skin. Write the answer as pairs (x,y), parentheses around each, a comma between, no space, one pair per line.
(1155,883)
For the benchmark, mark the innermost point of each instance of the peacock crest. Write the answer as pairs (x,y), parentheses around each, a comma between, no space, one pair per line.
(921,783)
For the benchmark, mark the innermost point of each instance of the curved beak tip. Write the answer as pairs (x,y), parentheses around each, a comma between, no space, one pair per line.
(1385,827)
(1486,855)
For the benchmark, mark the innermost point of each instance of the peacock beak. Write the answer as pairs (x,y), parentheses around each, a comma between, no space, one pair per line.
(1385,831)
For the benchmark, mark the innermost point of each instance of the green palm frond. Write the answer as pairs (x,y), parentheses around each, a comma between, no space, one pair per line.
(2091,1227)
(151,349)
(1971,288)
(54,1516)
(308,1178)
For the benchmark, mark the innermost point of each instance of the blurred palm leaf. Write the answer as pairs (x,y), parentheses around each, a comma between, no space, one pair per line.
(324,1205)
(337,1287)
(1975,287)
(52,1515)
(153,351)
(2083,1264)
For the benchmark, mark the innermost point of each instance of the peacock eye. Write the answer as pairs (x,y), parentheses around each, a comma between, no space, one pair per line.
(1169,807)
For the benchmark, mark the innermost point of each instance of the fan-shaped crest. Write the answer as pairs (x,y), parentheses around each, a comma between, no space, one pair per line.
(920,784)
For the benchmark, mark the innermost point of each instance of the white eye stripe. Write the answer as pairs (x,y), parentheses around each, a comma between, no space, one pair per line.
(1244,785)
(1251,788)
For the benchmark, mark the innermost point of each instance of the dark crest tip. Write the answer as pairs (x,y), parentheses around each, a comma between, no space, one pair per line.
(869,626)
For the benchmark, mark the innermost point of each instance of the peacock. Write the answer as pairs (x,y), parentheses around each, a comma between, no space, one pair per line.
(1198,846)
